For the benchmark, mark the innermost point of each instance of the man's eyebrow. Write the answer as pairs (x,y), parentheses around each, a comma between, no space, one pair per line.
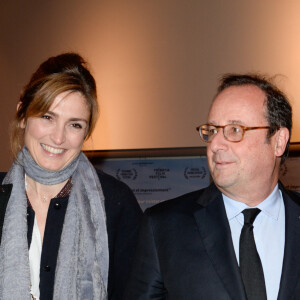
(238,122)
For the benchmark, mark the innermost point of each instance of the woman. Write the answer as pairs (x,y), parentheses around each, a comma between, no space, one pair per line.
(69,231)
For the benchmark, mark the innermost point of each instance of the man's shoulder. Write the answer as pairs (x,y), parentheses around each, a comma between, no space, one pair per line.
(293,195)
(185,203)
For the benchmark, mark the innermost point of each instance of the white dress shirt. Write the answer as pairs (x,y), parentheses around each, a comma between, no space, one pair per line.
(269,235)
(35,252)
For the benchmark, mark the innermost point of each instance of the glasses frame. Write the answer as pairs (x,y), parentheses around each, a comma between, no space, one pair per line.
(245,128)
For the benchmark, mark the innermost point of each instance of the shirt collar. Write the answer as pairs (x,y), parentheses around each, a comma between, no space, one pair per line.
(270,206)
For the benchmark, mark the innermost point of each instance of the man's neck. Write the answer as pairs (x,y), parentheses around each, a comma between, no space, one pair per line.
(250,196)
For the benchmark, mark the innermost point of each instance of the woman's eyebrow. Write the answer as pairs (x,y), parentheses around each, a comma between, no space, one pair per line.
(71,119)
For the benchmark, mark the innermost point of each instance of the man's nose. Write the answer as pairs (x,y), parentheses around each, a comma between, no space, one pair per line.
(218,142)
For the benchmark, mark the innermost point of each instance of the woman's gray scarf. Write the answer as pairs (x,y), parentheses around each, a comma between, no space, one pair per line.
(83,259)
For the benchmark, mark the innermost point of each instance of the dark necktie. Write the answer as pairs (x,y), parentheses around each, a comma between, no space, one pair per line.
(250,264)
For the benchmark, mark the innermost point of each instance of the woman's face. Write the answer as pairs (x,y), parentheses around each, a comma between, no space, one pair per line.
(56,138)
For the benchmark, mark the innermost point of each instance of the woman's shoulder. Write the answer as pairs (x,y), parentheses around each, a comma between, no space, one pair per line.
(121,205)
(116,191)
(2,175)
(111,185)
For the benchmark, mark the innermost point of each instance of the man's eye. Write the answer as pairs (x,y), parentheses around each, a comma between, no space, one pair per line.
(213,131)
(235,129)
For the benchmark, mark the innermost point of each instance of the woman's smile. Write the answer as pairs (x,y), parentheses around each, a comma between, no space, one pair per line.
(52,150)
(56,138)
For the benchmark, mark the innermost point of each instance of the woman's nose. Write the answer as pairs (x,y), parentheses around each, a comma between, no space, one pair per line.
(58,135)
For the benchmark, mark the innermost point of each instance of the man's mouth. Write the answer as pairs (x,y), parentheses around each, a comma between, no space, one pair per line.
(220,163)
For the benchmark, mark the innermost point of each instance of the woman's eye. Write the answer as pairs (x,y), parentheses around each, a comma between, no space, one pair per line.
(77,126)
(46,117)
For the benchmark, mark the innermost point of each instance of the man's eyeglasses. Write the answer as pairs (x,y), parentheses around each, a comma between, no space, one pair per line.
(232,132)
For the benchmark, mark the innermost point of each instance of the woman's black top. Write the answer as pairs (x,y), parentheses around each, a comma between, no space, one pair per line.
(123,216)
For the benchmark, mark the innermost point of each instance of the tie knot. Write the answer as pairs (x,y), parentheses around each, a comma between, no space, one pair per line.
(250,214)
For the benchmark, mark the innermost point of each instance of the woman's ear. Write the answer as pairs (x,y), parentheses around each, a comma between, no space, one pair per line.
(281,141)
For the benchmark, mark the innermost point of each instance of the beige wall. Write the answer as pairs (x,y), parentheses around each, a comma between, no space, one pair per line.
(156,62)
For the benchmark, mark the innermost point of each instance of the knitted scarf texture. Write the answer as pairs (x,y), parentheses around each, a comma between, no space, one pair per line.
(83,258)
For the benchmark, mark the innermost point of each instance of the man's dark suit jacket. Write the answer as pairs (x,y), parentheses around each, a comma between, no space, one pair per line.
(185,251)
(123,216)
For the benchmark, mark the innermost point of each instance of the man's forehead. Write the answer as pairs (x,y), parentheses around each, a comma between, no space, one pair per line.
(248,91)
(238,103)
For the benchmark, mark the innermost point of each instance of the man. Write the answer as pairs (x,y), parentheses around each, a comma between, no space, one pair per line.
(197,246)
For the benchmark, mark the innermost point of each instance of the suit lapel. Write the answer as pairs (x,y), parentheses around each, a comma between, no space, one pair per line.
(216,236)
(291,261)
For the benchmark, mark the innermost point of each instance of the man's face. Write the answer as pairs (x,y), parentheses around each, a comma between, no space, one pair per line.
(240,168)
